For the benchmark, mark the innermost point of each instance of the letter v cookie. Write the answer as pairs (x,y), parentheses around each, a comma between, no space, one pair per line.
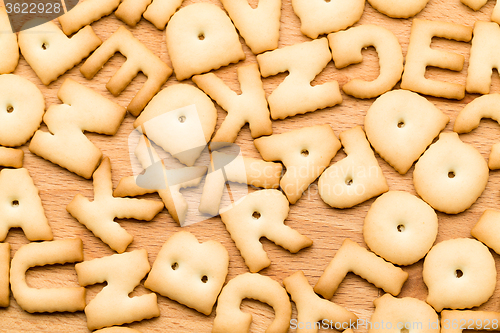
(50,53)
(248,107)
(139,59)
(9,50)
(353,258)
(304,62)
(98,216)
(21,206)
(311,308)
(260,27)
(356,178)
(305,152)
(262,214)
(83,110)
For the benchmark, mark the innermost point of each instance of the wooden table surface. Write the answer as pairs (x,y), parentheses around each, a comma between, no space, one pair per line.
(326,226)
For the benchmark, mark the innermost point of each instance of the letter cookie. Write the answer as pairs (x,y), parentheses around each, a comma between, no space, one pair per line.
(69,299)
(21,206)
(400,227)
(66,144)
(319,17)
(311,308)
(262,214)
(353,258)
(468,119)
(459,273)
(249,107)
(139,59)
(420,56)
(51,54)
(447,168)
(304,62)
(477,4)
(483,57)
(487,228)
(9,50)
(243,170)
(229,317)
(159,12)
(356,178)
(346,49)
(156,180)
(260,27)
(98,216)
(476,320)
(10,157)
(24,106)
(200,37)
(112,306)
(189,272)
(399,9)
(400,125)
(305,152)
(4,274)
(181,120)
(405,313)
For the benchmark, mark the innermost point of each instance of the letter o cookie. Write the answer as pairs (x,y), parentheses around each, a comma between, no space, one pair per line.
(399,8)
(21,110)
(459,273)
(400,227)
(450,175)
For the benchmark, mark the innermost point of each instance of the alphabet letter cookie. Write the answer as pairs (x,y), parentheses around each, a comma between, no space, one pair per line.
(50,53)
(189,272)
(98,216)
(112,306)
(83,110)
(305,152)
(346,49)
(9,50)
(200,37)
(262,214)
(356,178)
(420,55)
(229,317)
(139,59)
(295,95)
(46,299)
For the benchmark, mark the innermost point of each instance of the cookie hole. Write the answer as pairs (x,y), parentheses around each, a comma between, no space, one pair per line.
(348,181)
(459,273)
(44,46)
(175,266)
(304,152)
(405,330)
(204,279)
(327,1)
(401,228)
(182,119)
(15,203)
(451,174)
(401,124)
(10,109)
(201,36)
(256,215)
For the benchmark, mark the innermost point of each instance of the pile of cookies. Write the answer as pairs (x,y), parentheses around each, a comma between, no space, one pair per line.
(347,166)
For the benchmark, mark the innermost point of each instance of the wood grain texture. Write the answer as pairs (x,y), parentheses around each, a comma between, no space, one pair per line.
(326,226)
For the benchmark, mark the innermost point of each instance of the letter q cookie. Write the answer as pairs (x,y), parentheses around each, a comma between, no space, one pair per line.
(459,273)
(450,175)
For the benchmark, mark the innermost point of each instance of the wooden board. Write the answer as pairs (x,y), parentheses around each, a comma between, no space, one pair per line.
(310,216)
